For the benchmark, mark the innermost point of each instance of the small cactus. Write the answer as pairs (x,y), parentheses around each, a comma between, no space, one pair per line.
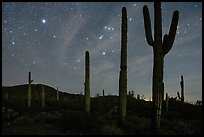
(57,94)
(138,96)
(160,49)
(43,96)
(29,90)
(103,93)
(123,69)
(167,102)
(182,92)
(87,83)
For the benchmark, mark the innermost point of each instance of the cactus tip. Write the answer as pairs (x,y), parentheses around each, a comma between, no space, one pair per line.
(145,7)
(124,8)
(176,12)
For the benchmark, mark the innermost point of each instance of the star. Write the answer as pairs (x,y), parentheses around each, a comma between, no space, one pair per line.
(44,21)
(13,42)
(101,37)
(104,53)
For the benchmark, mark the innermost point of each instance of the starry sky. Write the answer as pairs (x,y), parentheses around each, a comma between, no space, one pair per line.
(50,39)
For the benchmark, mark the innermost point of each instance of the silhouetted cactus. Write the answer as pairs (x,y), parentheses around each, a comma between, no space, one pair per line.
(182,91)
(43,96)
(138,96)
(103,93)
(123,69)
(57,94)
(29,90)
(87,83)
(160,49)
(167,102)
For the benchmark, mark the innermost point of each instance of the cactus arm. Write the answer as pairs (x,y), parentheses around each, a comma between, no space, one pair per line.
(178,95)
(147,24)
(172,33)
(31,81)
(157,24)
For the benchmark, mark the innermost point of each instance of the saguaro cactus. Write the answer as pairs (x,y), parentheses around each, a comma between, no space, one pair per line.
(182,89)
(138,96)
(123,68)
(103,93)
(87,83)
(29,89)
(167,102)
(182,92)
(160,49)
(57,94)
(43,96)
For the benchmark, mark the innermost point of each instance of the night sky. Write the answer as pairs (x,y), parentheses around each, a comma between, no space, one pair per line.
(50,40)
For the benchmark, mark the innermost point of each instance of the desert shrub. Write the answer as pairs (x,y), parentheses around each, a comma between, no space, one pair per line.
(111,130)
(137,125)
(23,120)
(46,117)
(182,128)
(175,127)
(10,114)
(80,122)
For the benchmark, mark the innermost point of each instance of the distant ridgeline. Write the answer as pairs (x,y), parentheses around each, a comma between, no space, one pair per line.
(19,95)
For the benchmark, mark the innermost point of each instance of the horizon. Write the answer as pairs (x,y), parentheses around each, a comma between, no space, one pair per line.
(49,39)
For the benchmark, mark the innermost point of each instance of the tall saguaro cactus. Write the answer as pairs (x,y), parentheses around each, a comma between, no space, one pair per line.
(29,89)
(123,68)
(160,49)
(43,96)
(87,82)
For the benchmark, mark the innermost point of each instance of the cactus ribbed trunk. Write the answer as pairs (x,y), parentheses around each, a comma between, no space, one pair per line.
(123,68)
(29,90)
(43,96)
(87,82)
(160,49)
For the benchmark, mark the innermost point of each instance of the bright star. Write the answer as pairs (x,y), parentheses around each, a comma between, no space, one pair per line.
(43,21)
(104,53)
